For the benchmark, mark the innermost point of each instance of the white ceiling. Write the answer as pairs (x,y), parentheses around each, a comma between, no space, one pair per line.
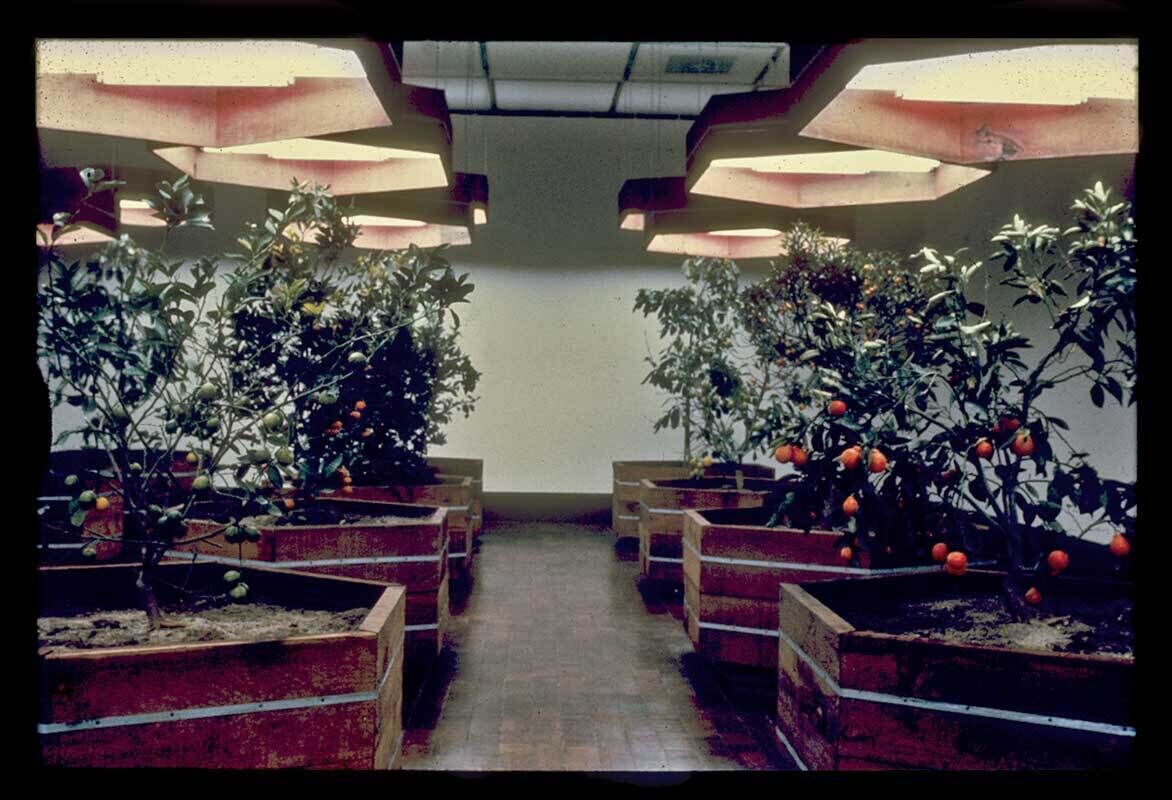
(665,78)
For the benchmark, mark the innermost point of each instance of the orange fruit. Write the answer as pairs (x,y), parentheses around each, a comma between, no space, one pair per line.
(836,408)
(845,553)
(939,552)
(347,480)
(360,405)
(784,453)
(984,449)
(851,457)
(290,503)
(1033,596)
(1022,445)
(1058,561)
(956,563)
(850,506)
(101,504)
(1119,545)
(799,457)
(355,415)
(877,462)
(1010,424)
(347,490)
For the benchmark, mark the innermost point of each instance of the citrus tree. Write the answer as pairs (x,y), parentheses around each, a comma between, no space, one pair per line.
(358,363)
(147,346)
(1011,462)
(700,366)
(841,328)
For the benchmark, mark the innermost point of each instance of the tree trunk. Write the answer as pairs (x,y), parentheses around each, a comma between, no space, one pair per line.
(687,429)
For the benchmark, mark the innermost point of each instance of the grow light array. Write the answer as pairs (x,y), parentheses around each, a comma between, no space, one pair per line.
(1047,75)
(1046,101)
(841,162)
(320,150)
(211,94)
(246,63)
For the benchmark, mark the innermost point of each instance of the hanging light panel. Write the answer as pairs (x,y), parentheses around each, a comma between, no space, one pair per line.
(210,93)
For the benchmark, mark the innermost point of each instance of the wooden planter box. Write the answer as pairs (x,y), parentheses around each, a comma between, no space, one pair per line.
(662,504)
(468,468)
(733,565)
(413,554)
(454,493)
(60,543)
(324,700)
(624,515)
(862,699)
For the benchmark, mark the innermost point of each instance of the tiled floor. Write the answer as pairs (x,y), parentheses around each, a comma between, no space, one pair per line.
(558,662)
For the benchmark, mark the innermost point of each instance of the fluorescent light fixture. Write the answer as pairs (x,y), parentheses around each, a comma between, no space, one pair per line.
(178,62)
(842,162)
(985,105)
(385,222)
(1049,75)
(213,93)
(750,233)
(320,150)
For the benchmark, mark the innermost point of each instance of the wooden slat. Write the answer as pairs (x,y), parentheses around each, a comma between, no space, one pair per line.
(338,736)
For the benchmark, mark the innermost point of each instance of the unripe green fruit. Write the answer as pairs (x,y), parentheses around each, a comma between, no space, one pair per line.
(120,413)
(231,576)
(260,455)
(278,439)
(271,420)
(356,358)
(136,467)
(174,514)
(285,456)
(170,426)
(201,483)
(239,591)
(87,498)
(71,480)
(212,425)
(252,534)
(233,534)
(90,551)
(155,509)
(208,391)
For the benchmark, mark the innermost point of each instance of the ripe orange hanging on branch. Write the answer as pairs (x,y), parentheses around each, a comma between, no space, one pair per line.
(851,457)
(850,506)
(877,462)
(1023,445)
(836,408)
(1058,560)
(984,449)
(956,563)
(939,552)
(1119,545)
(1033,596)
(799,457)
(784,453)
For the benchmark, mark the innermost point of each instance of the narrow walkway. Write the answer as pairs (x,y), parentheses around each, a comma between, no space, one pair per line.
(558,663)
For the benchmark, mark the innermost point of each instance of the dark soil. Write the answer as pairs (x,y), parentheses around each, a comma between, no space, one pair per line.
(200,621)
(324,514)
(1063,624)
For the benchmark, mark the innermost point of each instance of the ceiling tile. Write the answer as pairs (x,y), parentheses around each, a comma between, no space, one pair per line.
(730,62)
(445,59)
(578,61)
(554,95)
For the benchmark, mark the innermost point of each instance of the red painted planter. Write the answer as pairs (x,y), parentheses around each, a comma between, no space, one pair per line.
(325,700)
(466,468)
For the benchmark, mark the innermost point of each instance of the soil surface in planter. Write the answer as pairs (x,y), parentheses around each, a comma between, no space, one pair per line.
(199,621)
(1067,624)
(331,515)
